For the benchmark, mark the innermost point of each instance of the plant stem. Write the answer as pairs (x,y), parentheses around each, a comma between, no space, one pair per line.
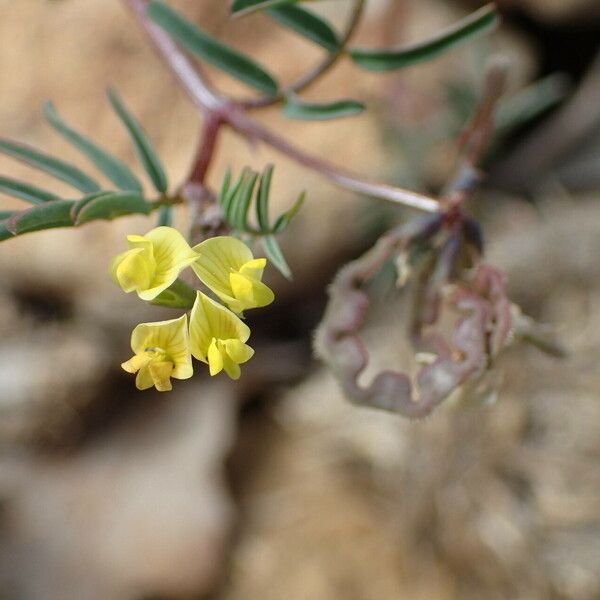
(253,130)
(206,148)
(209,102)
(206,218)
(475,137)
(190,78)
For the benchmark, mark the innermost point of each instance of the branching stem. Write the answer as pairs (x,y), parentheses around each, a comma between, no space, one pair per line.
(210,102)
(206,148)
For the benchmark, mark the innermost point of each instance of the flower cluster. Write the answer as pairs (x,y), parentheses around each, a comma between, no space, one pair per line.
(215,334)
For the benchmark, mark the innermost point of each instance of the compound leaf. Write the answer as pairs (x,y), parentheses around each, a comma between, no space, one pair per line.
(114,169)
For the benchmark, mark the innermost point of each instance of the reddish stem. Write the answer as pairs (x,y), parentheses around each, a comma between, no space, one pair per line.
(206,148)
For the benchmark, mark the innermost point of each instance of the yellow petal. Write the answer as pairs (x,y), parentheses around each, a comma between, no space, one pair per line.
(249,293)
(171,254)
(211,320)
(114,265)
(161,375)
(263,294)
(171,337)
(238,351)
(231,368)
(135,242)
(217,258)
(242,290)
(135,363)
(133,270)
(226,266)
(144,380)
(254,268)
(223,253)
(183,368)
(215,358)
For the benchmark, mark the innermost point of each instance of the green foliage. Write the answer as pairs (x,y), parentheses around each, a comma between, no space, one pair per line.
(25,191)
(244,7)
(236,198)
(210,50)
(178,295)
(78,205)
(43,216)
(4,233)
(307,24)
(530,102)
(275,255)
(114,169)
(112,205)
(53,166)
(69,213)
(294,108)
(481,21)
(51,211)
(141,144)
(235,201)
(165,216)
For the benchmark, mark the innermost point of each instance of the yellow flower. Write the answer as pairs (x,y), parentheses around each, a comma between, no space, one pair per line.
(217,337)
(227,267)
(161,351)
(152,263)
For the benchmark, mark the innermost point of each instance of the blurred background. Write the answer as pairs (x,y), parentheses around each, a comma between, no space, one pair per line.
(274,487)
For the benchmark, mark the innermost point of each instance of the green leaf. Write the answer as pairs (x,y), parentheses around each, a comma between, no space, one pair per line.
(262,199)
(5,234)
(284,220)
(531,102)
(178,295)
(274,254)
(25,191)
(244,7)
(240,205)
(479,22)
(114,169)
(165,216)
(210,50)
(109,206)
(54,166)
(142,145)
(294,108)
(66,213)
(307,24)
(4,214)
(79,204)
(225,184)
(43,216)
(226,200)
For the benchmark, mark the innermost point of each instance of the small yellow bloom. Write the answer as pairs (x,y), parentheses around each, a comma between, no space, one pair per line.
(161,351)
(227,267)
(152,263)
(217,337)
